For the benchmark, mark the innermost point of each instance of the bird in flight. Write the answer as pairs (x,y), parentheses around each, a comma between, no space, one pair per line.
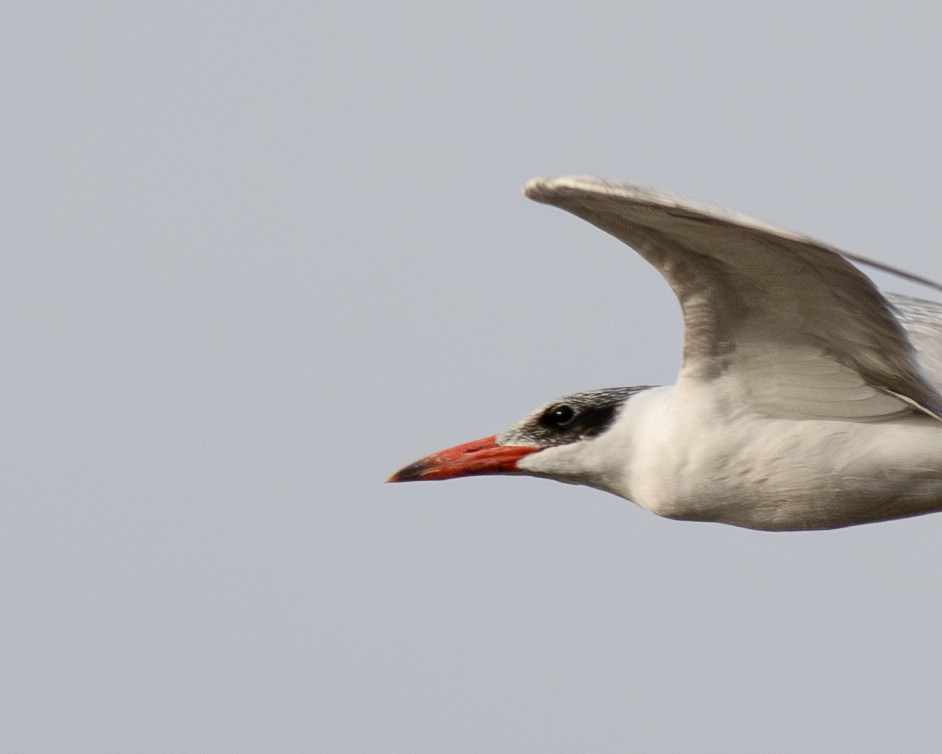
(806,399)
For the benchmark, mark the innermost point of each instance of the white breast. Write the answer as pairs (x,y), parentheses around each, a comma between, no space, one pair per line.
(695,455)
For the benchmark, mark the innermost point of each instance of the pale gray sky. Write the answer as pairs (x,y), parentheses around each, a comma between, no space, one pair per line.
(256,257)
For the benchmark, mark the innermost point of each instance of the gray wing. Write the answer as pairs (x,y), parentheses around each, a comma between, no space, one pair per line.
(922,321)
(787,322)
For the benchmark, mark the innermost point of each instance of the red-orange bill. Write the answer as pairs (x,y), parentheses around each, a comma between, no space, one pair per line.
(482,456)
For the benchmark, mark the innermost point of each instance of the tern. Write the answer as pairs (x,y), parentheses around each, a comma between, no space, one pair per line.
(806,399)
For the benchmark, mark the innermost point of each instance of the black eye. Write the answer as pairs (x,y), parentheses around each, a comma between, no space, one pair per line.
(559,415)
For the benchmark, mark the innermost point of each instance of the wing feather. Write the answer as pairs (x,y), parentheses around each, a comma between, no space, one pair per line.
(758,300)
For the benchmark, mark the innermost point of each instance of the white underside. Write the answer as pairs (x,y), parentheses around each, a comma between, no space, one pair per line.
(694,452)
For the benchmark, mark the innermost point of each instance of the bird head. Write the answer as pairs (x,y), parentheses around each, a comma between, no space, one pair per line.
(557,440)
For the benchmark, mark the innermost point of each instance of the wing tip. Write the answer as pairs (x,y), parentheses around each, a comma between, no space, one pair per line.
(568,192)
(557,189)
(545,189)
